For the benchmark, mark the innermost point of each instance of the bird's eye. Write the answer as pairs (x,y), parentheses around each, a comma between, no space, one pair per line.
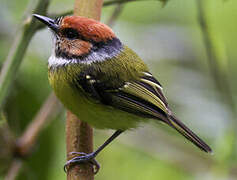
(70,33)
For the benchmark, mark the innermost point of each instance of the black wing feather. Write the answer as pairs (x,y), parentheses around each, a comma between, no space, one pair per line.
(143,98)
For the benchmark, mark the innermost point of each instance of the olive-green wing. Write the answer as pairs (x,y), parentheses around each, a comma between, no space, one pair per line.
(143,97)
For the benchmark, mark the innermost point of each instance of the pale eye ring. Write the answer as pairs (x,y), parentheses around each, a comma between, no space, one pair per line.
(70,33)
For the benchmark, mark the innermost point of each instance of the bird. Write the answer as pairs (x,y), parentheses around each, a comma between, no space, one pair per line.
(104,82)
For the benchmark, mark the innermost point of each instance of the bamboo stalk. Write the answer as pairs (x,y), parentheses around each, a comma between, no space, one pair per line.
(79,135)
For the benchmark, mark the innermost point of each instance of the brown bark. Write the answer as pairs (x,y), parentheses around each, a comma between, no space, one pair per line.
(79,135)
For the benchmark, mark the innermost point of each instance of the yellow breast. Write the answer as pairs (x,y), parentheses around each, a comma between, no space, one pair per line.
(88,110)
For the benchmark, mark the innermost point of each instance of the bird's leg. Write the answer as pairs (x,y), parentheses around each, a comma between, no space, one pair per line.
(90,158)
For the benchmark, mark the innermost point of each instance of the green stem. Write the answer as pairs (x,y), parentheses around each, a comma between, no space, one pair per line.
(18,50)
(217,58)
(13,61)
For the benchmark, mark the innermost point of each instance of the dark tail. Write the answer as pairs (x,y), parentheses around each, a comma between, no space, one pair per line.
(187,133)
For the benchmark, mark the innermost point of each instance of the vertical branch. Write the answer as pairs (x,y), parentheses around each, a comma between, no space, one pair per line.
(90,9)
(79,138)
(79,135)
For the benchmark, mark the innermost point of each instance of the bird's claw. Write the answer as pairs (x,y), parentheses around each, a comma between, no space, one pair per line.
(82,158)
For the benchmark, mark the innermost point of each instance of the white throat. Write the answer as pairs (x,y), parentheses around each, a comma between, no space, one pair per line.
(54,61)
(93,57)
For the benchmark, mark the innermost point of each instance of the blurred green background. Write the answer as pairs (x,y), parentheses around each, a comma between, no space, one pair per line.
(170,41)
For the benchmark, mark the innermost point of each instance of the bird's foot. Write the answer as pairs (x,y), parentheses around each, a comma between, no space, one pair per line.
(80,158)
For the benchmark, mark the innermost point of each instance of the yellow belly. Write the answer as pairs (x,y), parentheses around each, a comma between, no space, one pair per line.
(96,114)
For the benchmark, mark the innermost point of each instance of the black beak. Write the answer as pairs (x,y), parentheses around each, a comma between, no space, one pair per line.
(49,22)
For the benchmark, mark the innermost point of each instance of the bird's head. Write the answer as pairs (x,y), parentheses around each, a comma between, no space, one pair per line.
(81,39)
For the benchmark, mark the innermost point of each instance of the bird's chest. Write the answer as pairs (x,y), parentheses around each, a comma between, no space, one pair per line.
(75,99)
(66,88)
